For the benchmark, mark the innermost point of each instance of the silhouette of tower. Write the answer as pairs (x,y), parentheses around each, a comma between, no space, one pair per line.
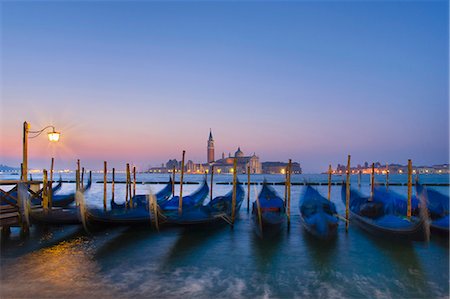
(210,148)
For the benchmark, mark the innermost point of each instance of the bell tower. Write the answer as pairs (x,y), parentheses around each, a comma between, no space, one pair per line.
(210,148)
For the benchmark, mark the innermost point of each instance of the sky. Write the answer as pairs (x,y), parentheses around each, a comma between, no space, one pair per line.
(310,81)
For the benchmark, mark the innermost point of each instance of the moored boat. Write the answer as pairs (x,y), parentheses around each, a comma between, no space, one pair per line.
(217,210)
(377,215)
(140,200)
(140,215)
(268,211)
(318,215)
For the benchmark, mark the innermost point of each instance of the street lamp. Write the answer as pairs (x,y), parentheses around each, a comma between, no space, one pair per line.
(53,136)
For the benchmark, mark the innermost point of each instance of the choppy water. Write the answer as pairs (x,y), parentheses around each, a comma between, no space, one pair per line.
(220,261)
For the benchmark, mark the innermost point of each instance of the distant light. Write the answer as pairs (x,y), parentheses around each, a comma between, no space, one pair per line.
(282,171)
(53,136)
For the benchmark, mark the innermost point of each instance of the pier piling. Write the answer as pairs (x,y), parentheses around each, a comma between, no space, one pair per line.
(211,184)
(113,182)
(134,181)
(45,191)
(105,169)
(408,209)
(82,179)
(233,199)
(130,205)
(180,202)
(347,195)
(248,188)
(289,168)
(78,177)
(372,181)
(173,181)
(329,181)
(50,187)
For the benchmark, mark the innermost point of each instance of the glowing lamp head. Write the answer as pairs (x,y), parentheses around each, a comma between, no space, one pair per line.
(53,136)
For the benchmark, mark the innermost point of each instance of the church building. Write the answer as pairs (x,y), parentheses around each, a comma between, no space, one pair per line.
(225,164)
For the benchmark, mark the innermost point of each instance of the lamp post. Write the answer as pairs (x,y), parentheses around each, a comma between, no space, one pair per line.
(53,136)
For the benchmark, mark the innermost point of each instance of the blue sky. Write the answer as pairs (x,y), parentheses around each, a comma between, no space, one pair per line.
(312,81)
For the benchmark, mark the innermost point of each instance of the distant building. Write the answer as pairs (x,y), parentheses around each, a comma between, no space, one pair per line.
(225,164)
(280,167)
(394,169)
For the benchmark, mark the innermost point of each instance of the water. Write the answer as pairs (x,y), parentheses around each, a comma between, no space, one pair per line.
(220,261)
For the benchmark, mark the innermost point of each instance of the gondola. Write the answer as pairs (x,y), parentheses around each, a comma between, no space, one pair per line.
(140,200)
(268,212)
(191,201)
(64,200)
(436,204)
(55,215)
(141,215)
(378,216)
(62,212)
(218,210)
(318,215)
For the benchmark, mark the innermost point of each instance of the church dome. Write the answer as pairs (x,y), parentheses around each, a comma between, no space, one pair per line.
(239,153)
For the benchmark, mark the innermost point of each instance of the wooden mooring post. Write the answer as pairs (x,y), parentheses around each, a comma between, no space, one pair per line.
(372,181)
(180,201)
(173,181)
(330,170)
(45,190)
(50,187)
(82,179)
(347,195)
(387,177)
(408,209)
(134,181)
(248,188)
(113,182)
(233,199)
(212,183)
(79,174)
(285,185)
(289,170)
(105,171)
(129,185)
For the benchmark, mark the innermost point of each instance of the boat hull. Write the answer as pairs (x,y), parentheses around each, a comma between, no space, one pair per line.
(56,216)
(416,232)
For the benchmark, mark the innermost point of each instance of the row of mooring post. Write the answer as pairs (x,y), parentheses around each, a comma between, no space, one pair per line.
(130,185)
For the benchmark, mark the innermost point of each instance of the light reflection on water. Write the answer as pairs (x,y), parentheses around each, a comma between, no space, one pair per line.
(219,261)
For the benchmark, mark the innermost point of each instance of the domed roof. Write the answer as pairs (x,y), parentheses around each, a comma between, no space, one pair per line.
(238,153)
